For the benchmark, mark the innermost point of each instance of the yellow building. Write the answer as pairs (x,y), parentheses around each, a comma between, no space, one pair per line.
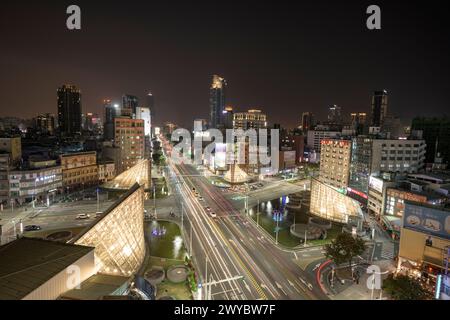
(79,169)
(425,239)
(335,158)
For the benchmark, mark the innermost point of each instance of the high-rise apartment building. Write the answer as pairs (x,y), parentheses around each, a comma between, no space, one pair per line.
(335,115)
(69,110)
(45,123)
(129,105)
(112,111)
(436,133)
(335,156)
(130,138)
(358,122)
(253,119)
(150,104)
(217,101)
(373,157)
(307,121)
(379,109)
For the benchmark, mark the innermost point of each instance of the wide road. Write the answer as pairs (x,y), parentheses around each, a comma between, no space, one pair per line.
(273,269)
(235,247)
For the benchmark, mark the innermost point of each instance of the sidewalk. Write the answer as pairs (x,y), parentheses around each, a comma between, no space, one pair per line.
(355,291)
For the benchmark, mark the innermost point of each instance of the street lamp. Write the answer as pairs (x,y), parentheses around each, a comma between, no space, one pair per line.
(35,192)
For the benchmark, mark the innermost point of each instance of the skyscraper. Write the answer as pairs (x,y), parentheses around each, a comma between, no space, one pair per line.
(227,116)
(150,103)
(307,121)
(334,115)
(379,108)
(436,132)
(358,122)
(45,123)
(129,137)
(217,101)
(69,110)
(129,105)
(112,111)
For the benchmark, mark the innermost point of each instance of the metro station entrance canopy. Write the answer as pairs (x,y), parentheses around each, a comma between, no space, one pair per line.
(140,173)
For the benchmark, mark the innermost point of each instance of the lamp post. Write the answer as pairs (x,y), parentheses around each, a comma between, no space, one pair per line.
(35,192)
(277,229)
(257,215)
(98,202)
(154,202)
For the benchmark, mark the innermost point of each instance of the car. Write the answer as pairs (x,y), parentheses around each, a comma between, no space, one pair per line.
(201,199)
(213,214)
(83,216)
(32,228)
(208,209)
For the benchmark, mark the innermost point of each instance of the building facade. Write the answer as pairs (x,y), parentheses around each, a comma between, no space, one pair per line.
(79,170)
(379,108)
(425,245)
(217,94)
(358,122)
(69,110)
(401,156)
(35,184)
(13,146)
(373,157)
(106,171)
(335,162)
(307,121)
(130,104)
(45,123)
(335,115)
(112,111)
(253,119)
(130,138)
(436,133)
(315,138)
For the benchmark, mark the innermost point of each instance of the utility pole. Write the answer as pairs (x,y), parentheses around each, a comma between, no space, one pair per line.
(182,217)
(257,215)
(190,242)
(373,285)
(306,230)
(154,202)
(276,235)
(206,277)
(98,201)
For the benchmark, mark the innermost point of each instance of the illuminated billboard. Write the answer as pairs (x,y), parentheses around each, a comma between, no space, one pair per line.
(428,220)
(376,184)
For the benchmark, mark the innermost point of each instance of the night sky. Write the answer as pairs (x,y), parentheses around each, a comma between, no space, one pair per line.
(282,57)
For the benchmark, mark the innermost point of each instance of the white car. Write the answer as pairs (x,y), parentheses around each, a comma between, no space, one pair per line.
(83,216)
(213,215)
(201,199)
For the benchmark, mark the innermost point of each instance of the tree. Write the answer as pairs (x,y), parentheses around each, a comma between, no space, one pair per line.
(344,248)
(403,287)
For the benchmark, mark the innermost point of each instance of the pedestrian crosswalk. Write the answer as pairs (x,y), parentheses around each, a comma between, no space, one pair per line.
(387,250)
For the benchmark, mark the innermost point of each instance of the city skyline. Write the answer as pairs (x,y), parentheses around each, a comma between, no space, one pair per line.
(335,59)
